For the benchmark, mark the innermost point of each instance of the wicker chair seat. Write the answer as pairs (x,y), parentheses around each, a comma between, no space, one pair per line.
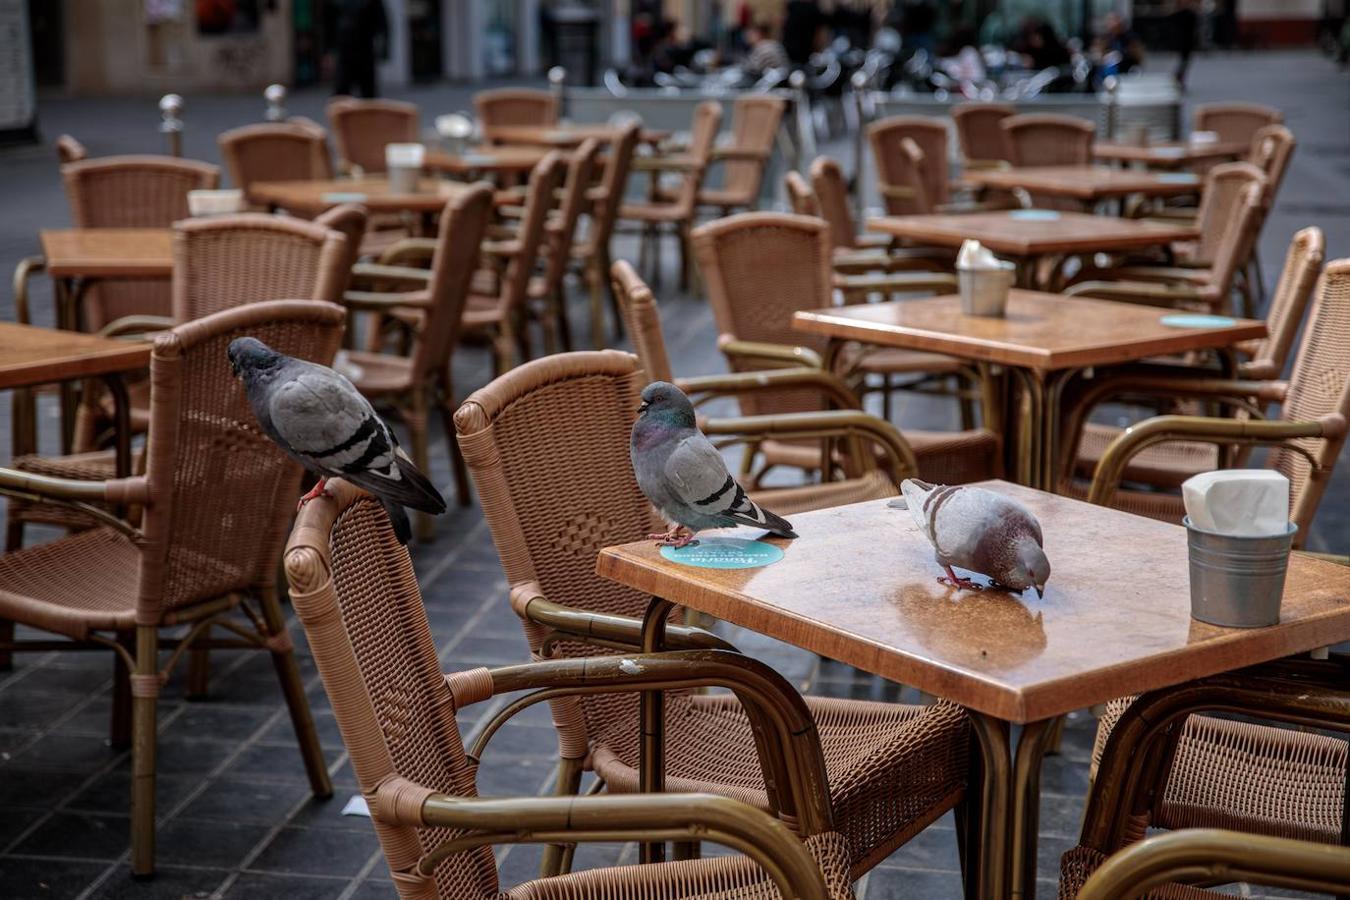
(895,361)
(1167,508)
(1078,864)
(788,501)
(724,197)
(726,878)
(377,373)
(654,212)
(1165,465)
(481,311)
(945,457)
(84,582)
(892,768)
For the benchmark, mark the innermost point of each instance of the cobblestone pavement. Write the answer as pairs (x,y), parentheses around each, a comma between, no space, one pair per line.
(235,815)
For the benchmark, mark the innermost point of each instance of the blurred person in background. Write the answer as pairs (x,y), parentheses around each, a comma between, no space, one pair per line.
(1039,45)
(802,24)
(362,33)
(765,52)
(1185,24)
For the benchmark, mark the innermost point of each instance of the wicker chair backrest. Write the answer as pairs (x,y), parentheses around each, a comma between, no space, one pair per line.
(362,128)
(1046,139)
(979,130)
(275,151)
(892,164)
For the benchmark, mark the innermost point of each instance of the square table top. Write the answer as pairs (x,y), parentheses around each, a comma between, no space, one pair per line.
(1040,330)
(31,356)
(1015,233)
(1089,182)
(1169,154)
(108,252)
(485,159)
(317,195)
(860,585)
(567,135)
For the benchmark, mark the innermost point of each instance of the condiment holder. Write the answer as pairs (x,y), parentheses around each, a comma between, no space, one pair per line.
(215,202)
(404,164)
(983,281)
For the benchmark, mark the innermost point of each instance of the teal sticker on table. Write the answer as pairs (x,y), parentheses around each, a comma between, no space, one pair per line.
(344,197)
(1197,320)
(724,553)
(1034,215)
(1178,178)
(478,159)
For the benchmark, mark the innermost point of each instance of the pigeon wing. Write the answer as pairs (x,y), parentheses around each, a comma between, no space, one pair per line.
(698,476)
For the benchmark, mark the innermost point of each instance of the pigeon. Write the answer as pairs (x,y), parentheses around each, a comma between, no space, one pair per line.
(683,475)
(323,422)
(978,530)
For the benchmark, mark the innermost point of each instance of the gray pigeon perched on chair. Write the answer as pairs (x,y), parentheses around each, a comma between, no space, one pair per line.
(683,475)
(323,422)
(979,530)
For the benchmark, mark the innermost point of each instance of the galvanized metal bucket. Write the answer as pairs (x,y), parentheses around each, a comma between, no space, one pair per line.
(1237,582)
(984,292)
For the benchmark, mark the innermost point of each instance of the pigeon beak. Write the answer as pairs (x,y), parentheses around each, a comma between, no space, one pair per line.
(643,408)
(1040,590)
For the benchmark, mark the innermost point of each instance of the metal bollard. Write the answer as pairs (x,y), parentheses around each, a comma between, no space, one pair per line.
(557,77)
(806,129)
(1112,85)
(171,109)
(859,83)
(275,95)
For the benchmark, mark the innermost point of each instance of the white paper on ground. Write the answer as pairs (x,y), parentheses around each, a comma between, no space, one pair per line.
(356,806)
(1241,502)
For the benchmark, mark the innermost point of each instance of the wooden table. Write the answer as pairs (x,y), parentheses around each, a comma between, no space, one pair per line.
(860,585)
(1045,340)
(31,356)
(1172,155)
(485,160)
(1090,184)
(567,135)
(1028,235)
(310,198)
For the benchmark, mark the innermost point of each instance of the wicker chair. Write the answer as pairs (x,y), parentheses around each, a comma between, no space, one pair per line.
(499,304)
(1272,150)
(591,252)
(1229,224)
(553,496)
(191,561)
(362,128)
(1306,438)
(1168,765)
(676,210)
(801,199)
(131,192)
(1168,465)
(892,165)
(1234,122)
(755,119)
(355,592)
(69,150)
(420,382)
(513,107)
(275,151)
(753,307)
(979,133)
(350,221)
(873,457)
(1045,139)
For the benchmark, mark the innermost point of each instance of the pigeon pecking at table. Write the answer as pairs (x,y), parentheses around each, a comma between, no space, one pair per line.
(683,475)
(979,530)
(323,422)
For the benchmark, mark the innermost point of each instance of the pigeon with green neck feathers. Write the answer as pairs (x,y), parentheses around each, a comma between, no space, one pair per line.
(683,475)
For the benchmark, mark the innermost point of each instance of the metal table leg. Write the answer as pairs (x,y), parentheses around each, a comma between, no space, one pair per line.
(1026,805)
(651,752)
(121,422)
(995,794)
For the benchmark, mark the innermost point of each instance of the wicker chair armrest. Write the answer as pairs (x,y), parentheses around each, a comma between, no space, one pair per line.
(895,192)
(622,817)
(873,241)
(606,629)
(78,495)
(986,164)
(1143,292)
(1162,429)
(380,272)
(895,282)
(679,163)
(741,154)
(733,384)
(760,353)
(136,325)
(1196,275)
(501,249)
(383,301)
(1197,855)
(835,423)
(26,269)
(409,250)
(1172,215)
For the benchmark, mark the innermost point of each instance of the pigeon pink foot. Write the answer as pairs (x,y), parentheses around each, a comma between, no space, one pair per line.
(320,488)
(677,537)
(951,579)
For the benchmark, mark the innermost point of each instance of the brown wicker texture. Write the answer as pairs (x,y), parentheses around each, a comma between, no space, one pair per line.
(677,210)
(1220,200)
(227,261)
(349,220)
(547,290)
(1234,122)
(554,495)
(503,315)
(361,128)
(831,195)
(514,106)
(418,384)
(131,192)
(642,320)
(275,151)
(1272,149)
(755,119)
(69,150)
(893,165)
(355,591)
(1046,139)
(979,131)
(592,250)
(801,199)
(217,495)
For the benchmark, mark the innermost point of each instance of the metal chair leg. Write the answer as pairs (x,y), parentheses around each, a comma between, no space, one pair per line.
(144,697)
(288,673)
